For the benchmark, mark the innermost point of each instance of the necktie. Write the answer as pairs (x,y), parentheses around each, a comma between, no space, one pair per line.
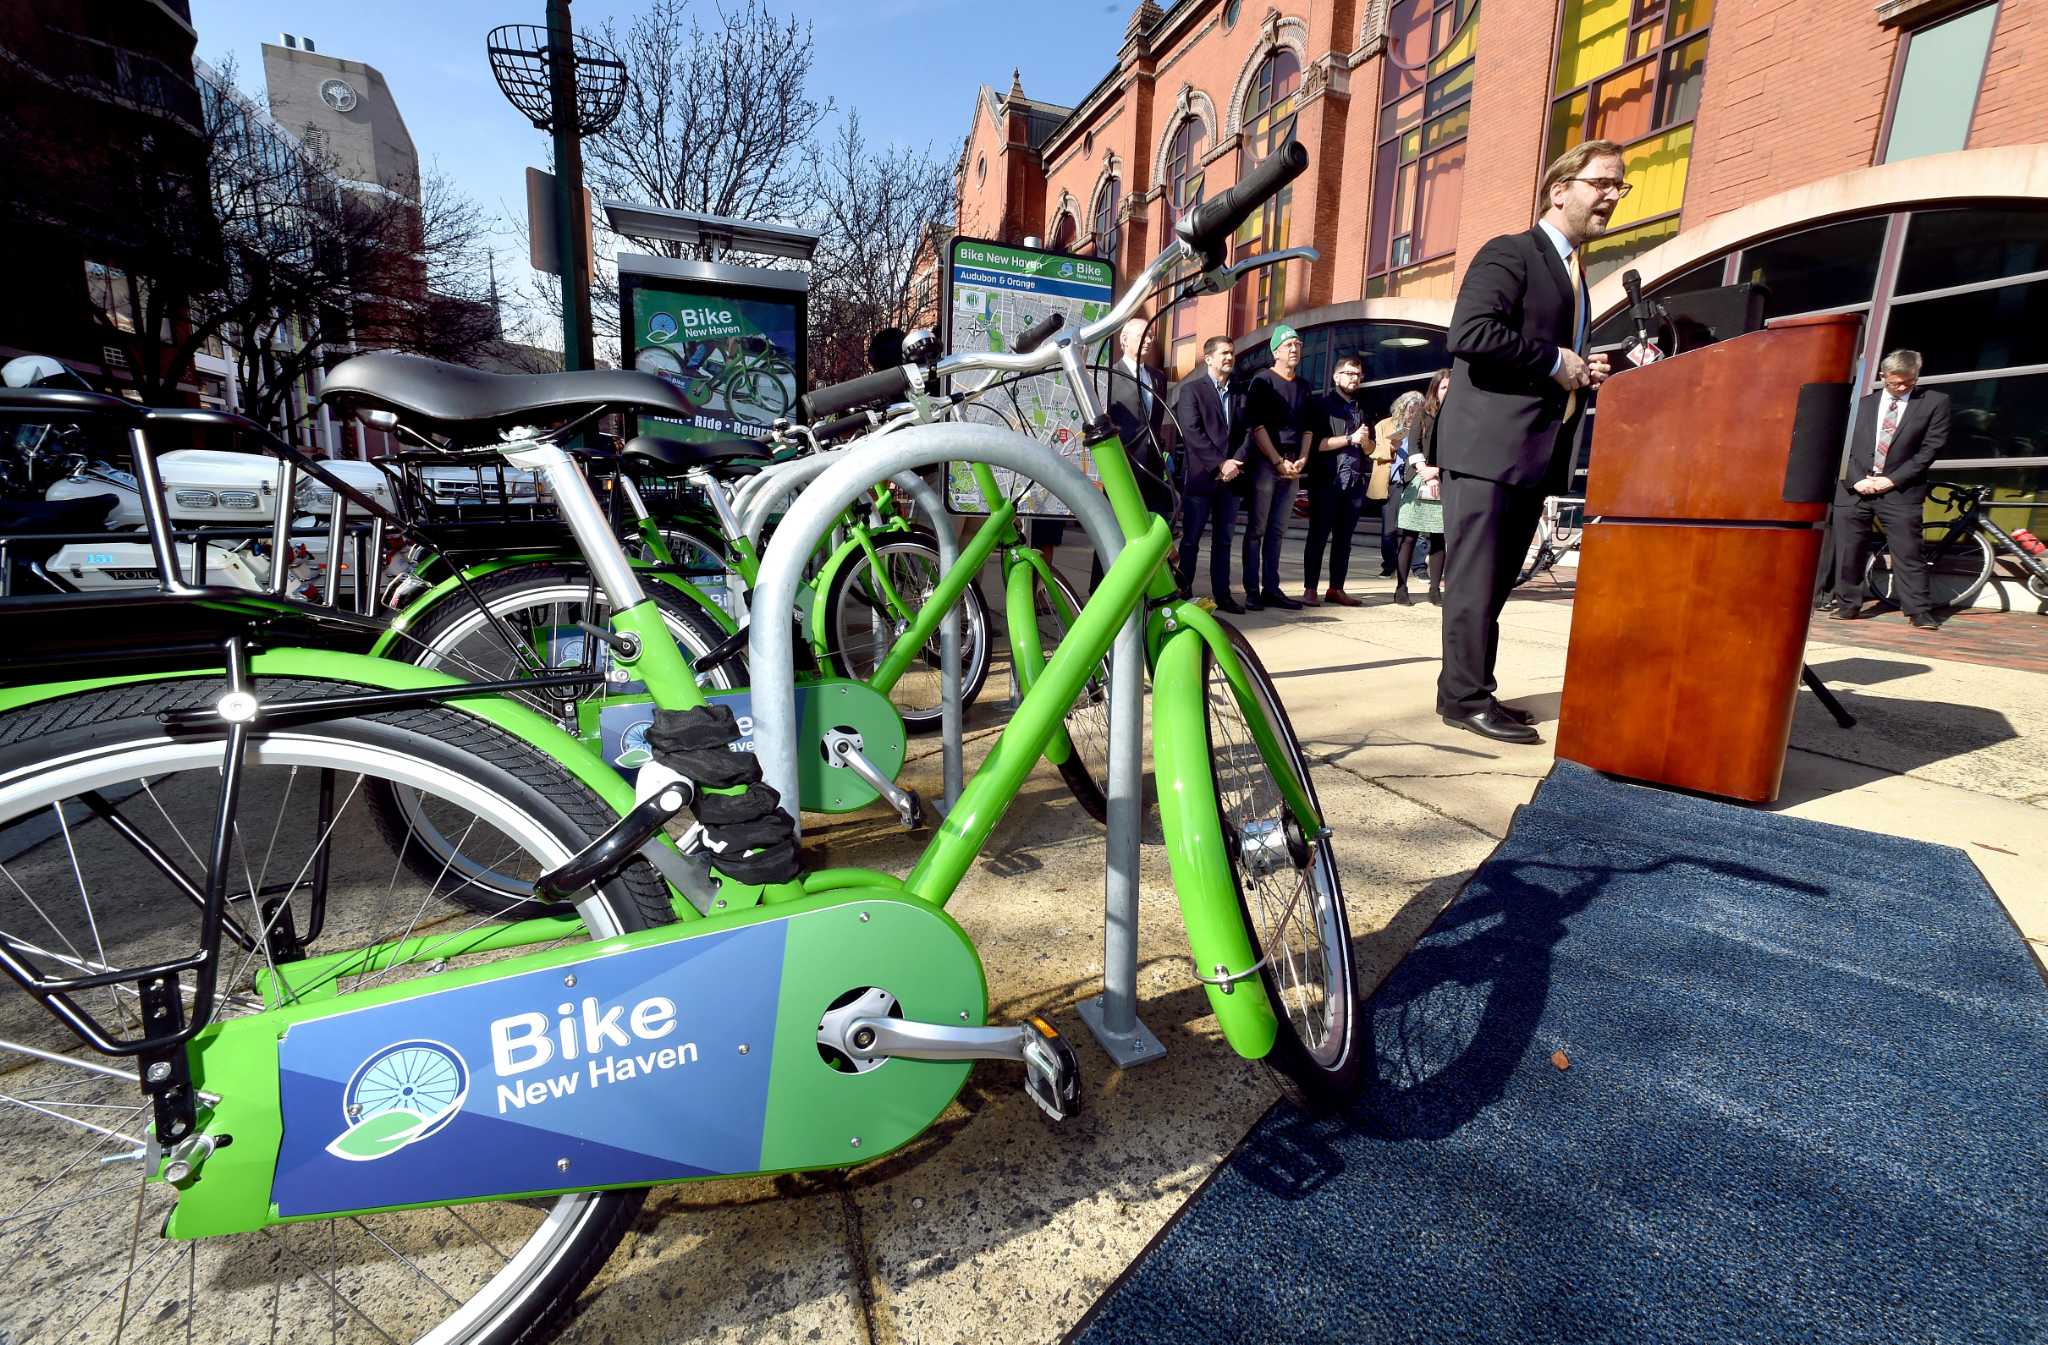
(1223,400)
(1571,269)
(1884,435)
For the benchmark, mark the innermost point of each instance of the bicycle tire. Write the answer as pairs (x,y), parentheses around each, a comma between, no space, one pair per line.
(111,742)
(453,636)
(852,607)
(1957,568)
(1319,1058)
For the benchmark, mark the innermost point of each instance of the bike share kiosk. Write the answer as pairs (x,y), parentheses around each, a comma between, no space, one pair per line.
(731,339)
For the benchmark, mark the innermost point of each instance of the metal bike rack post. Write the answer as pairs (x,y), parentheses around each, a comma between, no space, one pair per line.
(771,654)
(793,477)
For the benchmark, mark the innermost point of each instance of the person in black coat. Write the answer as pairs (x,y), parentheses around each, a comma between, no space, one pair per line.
(1899,431)
(1338,473)
(1517,337)
(1211,457)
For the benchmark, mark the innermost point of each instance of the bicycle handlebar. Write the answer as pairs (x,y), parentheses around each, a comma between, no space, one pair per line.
(1209,225)
(1035,335)
(885,386)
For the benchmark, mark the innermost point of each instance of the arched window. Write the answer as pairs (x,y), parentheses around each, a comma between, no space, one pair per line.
(1104,217)
(1183,193)
(1425,109)
(1632,74)
(1063,229)
(1268,121)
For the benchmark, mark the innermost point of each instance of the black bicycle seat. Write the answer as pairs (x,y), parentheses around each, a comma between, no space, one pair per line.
(449,398)
(651,455)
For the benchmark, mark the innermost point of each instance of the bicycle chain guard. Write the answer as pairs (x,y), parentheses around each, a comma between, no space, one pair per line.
(686,1051)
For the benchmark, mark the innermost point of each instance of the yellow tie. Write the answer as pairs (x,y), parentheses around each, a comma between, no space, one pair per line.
(1571,269)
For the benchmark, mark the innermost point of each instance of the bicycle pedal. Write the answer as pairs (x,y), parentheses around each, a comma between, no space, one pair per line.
(1052,1072)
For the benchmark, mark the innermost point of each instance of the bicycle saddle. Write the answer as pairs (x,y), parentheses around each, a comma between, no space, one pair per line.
(651,455)
(446,397)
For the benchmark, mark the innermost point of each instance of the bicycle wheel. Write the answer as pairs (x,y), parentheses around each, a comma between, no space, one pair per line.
(542,604)
(862,626)
(1957,568)
(1288,888)
(80,1223)
(1086,769)
(700,558)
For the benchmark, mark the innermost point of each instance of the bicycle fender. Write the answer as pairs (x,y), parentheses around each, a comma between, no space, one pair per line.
(673,1054)
(1218,938)
(820,620)
(410,616)
(1027,650)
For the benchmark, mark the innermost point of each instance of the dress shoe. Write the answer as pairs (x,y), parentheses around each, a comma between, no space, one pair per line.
(1845,612)
(1279,599)
(1386,572)
(1401,597)
(1340,598)
(1926,622)
(1487,724)
(1436,598)
(1824,602)
(1252,603)
(1510,712)
(1230,605)
(1309,598)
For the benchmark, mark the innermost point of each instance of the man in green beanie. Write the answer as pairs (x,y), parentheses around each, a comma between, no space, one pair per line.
(1281,415)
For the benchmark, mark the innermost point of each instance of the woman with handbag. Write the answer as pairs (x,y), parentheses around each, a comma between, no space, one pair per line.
(1421,509)
(1380,490)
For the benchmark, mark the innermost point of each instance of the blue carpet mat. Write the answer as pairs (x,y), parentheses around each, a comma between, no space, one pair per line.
(1804,1101)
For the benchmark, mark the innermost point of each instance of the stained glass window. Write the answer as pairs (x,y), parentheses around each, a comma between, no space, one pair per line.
(1268,121)
(1425,110)
(1106,231)
(1183,193)
(1631,71)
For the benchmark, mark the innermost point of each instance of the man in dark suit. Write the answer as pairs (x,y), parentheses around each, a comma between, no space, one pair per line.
(1137,405)
(1518,376)
(1212,453)
(1899,431)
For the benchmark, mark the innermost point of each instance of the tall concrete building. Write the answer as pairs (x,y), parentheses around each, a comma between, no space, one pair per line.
(1886,159)
(345,106)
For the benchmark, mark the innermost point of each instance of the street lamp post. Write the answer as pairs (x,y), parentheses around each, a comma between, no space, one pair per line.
(570,86)
(572,237)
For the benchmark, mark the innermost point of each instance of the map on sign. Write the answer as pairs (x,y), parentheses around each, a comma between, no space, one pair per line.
(995,293)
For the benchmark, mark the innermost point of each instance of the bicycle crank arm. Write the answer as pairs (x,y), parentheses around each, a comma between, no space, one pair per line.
(1052,1072)
(845,751)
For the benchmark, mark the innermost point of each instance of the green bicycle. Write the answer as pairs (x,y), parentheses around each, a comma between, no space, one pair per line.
(278,1079)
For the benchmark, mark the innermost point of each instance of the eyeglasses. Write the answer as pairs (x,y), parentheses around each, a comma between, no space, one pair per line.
(1605,184)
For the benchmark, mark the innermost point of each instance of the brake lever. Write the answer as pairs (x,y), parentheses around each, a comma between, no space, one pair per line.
(1222,278)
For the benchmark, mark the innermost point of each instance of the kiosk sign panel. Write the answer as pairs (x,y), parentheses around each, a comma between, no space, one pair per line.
(994,293)
(734,350)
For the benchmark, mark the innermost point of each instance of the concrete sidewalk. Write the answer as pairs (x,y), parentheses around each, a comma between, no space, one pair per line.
(998,1227)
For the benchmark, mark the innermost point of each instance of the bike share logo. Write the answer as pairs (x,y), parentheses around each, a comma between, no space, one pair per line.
(399,1096)
(661,327)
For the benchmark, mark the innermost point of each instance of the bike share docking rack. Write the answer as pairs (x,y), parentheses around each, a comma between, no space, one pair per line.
(838,479)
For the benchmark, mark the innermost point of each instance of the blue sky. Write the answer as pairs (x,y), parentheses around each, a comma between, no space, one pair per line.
(909,66)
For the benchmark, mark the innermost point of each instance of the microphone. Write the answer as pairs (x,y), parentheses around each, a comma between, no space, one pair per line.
(1645,350)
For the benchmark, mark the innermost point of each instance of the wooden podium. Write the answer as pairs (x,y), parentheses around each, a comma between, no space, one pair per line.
(1710,479)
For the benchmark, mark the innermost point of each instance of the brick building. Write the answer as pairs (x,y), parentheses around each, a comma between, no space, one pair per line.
(1886,159)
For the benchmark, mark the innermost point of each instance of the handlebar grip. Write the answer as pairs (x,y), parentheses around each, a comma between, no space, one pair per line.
(888,385)
(1035,335)
(1209,225)
(841,426)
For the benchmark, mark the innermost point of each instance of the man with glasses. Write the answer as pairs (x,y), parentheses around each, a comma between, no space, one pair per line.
(1899,431)
(1519,376)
